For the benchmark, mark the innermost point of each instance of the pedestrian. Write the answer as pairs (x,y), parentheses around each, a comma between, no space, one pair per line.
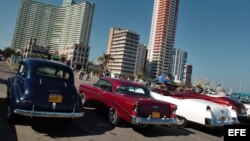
(81,74)
(100,74)
(88,75)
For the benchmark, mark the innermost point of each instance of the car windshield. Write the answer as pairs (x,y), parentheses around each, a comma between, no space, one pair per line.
(52,72)
(241,97)
(133,90)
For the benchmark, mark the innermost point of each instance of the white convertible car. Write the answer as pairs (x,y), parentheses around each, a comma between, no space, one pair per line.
(201,111)
(245,99)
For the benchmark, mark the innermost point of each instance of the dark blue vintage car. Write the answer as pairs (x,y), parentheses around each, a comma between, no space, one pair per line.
(43,88)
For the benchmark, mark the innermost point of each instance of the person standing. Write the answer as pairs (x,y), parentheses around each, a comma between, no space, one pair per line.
(81,74)
(100,74)
(88,75)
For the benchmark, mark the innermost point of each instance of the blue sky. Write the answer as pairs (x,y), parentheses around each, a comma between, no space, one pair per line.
(215,33)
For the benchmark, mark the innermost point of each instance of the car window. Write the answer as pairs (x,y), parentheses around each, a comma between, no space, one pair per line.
(105,85)
(52,72)
(21,70)
(133,90)
(245,98)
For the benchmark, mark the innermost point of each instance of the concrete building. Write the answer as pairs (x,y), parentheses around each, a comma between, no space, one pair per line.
(179,60)
(35,51)
(162,36)
(122,46)
(75,55)
(187,79)
(141,58)
(53,26)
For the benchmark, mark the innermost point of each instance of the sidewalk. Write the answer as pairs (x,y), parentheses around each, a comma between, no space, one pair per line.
(90,81)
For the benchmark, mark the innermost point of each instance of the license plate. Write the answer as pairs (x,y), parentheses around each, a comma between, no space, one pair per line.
(55,98)
(155,115)
(222,118)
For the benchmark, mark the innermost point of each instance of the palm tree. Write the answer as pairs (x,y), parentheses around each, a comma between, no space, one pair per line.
(105,59)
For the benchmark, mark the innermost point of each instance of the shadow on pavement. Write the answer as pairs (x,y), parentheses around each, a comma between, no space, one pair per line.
(3,81)
(90,124)
(155,131)
(7,131)
(214,131)
(151,131)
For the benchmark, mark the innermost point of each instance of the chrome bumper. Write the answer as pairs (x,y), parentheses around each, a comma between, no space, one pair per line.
(244,116)
(32,113)
(154,121)
(212,123)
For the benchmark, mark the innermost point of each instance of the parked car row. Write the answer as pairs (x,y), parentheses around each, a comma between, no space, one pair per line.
(43,88)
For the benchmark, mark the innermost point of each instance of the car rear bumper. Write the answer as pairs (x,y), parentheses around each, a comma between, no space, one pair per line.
(212,123)
(32,113)
(243,117)
(154,121)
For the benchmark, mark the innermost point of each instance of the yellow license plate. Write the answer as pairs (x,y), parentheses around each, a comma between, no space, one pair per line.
(155,115)
(55,98)
(222,118)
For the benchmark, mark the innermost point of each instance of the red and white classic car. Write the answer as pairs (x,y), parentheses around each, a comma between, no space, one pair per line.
(239,103)
(128,101)
(200,109)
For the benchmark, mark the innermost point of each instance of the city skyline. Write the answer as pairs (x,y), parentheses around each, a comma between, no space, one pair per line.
(214,33)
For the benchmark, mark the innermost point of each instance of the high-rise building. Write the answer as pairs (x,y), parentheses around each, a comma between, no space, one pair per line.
(122,47)
(162,36)
(53,26)
(188,74)
(141,59)
(179,60)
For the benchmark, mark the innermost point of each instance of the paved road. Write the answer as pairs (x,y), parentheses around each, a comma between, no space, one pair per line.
(92,127)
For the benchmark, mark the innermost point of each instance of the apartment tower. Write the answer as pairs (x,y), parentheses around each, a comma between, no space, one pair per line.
(188,74)
(54,27)
(162,36)
(122,47)
(141,58)
(179,60)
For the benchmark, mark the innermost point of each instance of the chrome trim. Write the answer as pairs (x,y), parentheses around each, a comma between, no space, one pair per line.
(213,122)
(241,115)
(154,121)
(248,113)
(32,113)
(53,106)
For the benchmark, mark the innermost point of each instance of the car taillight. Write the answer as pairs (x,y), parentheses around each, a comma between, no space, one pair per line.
(208,108)
(173,115)
(234,108)
(136,108)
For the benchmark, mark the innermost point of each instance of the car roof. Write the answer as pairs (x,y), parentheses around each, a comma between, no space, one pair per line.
(117,82)
(39,62)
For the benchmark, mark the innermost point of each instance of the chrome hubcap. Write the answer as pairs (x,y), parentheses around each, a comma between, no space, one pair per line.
(112,116)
